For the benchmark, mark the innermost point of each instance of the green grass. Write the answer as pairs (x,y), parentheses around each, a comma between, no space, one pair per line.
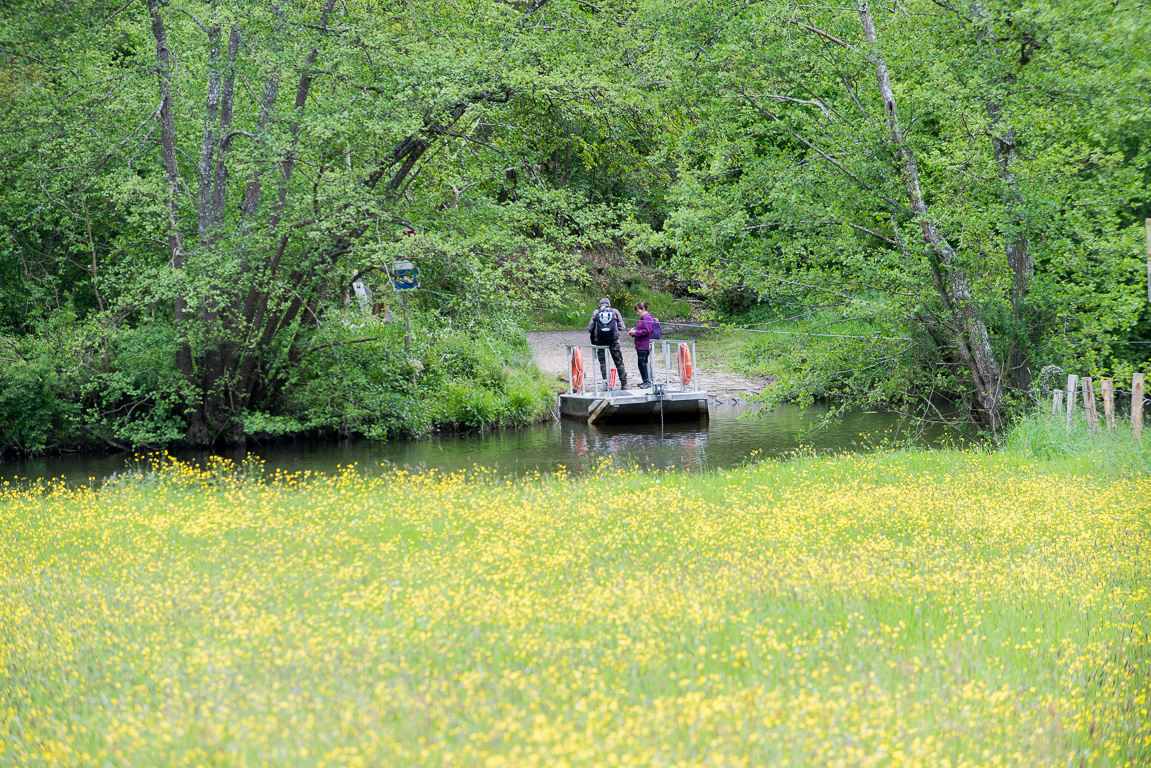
(1074,447)
(906,608)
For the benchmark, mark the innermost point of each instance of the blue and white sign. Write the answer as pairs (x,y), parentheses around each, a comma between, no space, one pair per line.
(405,276)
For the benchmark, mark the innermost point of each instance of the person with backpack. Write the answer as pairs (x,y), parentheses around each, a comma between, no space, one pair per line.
(645,330)
(604,328)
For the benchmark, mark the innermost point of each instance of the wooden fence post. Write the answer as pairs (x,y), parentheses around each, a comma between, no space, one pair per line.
(1072,384)
(1108,387)
(1137,406)
(1089,404)
(1057,402)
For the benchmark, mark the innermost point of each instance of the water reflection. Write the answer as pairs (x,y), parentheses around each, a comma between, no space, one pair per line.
(728,439)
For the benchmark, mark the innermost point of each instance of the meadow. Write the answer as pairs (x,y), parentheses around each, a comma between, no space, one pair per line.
(946,608)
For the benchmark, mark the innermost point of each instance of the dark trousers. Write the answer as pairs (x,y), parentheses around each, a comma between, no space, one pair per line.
(617,358)
(644,366)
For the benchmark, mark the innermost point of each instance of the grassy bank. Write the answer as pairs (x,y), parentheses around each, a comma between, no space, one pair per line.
(931,608)
(821,353)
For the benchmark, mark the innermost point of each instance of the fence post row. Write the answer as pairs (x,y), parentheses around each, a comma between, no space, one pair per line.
(1107,387)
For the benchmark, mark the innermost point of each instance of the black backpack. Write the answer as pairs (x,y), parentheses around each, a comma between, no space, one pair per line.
(606,330)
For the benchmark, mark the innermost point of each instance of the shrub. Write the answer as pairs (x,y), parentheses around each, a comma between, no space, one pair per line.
(449,379)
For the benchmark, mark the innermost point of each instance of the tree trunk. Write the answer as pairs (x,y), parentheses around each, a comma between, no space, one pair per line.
(1017,243)
(969,332)
(209,138)
(220,178)
(197,429)
(259,328)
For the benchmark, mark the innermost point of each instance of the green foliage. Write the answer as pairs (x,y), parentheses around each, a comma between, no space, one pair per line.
(830,353)
(574,310)
(30,411)
(506,174)
(548,154)
(76,384)
(789,187)
(60,390)
(447,380)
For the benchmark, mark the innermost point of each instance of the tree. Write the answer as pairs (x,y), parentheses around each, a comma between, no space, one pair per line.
(276,148)
(950,170)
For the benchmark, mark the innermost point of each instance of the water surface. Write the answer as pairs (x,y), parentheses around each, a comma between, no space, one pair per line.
(734,435)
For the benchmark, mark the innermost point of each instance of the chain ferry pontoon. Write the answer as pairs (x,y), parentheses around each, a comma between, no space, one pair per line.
(675,392)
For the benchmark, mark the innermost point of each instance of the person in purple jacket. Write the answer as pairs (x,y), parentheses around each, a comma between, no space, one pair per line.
(642,335)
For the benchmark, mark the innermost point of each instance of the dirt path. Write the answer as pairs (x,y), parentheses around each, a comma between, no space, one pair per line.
(722,386)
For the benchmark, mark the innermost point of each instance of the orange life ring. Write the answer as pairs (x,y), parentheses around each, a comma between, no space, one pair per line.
(685,369)
(577,369)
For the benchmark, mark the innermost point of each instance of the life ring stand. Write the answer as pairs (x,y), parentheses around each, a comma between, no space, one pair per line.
(686,372)
(577,369)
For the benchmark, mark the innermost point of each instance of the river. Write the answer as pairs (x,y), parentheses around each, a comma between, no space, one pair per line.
(734,435)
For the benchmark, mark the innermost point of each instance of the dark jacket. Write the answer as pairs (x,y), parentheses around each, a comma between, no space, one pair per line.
(643,331)
(620,325)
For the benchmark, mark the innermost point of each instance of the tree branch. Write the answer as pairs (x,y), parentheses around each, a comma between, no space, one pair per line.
(823,34)
(843,169)
(14,349)
(336,344)
(224,142)
(191,16)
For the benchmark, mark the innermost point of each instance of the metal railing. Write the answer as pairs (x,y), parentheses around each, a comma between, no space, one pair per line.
(670,349)
(671,374)
(590,364)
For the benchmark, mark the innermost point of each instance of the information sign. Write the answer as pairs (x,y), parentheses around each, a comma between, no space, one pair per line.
(405,275)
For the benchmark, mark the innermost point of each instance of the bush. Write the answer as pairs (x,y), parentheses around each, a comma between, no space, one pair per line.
(81,385)
(78,384)
(30,409)
(449,379)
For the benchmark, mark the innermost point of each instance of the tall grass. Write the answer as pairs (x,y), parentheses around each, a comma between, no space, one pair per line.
(1075,447)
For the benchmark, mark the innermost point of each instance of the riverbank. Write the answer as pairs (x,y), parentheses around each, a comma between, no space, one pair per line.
(359,377)
(906,608)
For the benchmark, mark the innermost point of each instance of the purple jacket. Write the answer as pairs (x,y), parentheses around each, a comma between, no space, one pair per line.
(643,331)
